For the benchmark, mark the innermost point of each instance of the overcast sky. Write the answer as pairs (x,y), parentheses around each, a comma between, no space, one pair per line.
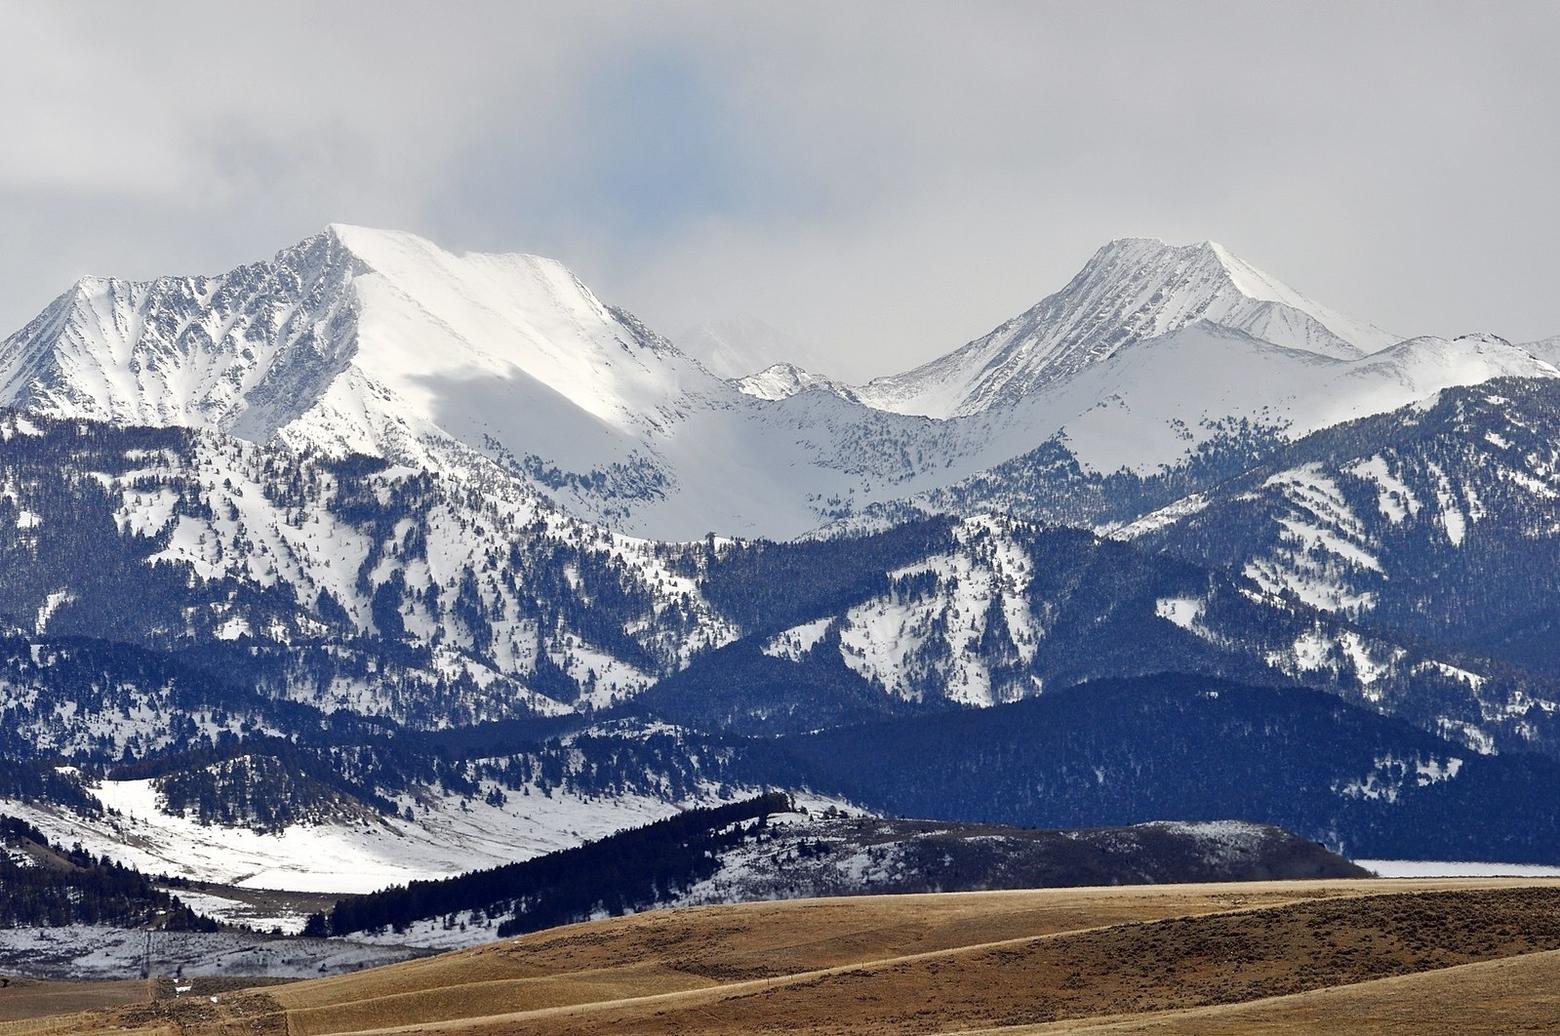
(885,180)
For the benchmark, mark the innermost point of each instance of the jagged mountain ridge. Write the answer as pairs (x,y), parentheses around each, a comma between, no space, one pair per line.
(352,339)
(1132,289)
(382,343)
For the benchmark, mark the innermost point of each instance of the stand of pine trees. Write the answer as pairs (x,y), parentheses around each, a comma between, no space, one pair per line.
(44,885)
(614,875)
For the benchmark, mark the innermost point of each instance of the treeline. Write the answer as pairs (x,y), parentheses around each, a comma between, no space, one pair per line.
(627,871)
(267,783)
(44,885)
(29,780)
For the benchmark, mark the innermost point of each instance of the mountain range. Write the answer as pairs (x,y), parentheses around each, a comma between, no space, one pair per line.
(375,556)
(383,344)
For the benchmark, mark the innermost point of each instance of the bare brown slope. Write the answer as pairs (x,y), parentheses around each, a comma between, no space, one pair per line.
(24,998)
(1512,995)
(1131,968)
(916,963)
(672,951)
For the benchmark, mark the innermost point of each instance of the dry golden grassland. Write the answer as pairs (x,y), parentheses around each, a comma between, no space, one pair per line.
(1358,956)
(24,998)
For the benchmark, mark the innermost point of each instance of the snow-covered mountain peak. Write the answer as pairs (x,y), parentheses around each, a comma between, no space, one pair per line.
(1132,289)
(784,380)
(359,339)
(383,343)
(191,350)
(1486,337)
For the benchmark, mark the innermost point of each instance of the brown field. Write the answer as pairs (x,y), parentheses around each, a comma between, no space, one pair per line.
(1452,956)
(26,998)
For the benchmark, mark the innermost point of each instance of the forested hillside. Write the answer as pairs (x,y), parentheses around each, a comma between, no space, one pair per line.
(44,885)
(1197,748)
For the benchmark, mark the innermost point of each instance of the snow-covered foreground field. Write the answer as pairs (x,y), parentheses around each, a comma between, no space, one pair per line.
(1456,869)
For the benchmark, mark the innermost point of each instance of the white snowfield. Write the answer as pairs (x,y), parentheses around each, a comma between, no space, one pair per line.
(1456,869)
(449,836)
(383,343)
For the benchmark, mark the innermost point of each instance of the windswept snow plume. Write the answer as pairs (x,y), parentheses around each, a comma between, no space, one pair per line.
(743,345)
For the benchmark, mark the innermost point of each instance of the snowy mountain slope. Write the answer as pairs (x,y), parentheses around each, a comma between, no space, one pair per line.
(1154,406)
(342,855)
(381,343)
(394,810)
(1130,290)
(1438,519)
(510,605)
(1153,403)
(1169,417)
(223,795)
(1218,382)
(359,340)
(1547,348)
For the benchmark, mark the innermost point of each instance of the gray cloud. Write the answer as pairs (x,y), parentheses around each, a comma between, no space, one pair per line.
(889,180)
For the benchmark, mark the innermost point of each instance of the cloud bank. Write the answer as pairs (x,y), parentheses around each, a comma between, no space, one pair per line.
(887,180)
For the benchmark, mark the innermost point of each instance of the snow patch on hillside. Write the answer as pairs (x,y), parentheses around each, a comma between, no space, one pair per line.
(1183,611)
(798,640)
(448,836)
(1394,499)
